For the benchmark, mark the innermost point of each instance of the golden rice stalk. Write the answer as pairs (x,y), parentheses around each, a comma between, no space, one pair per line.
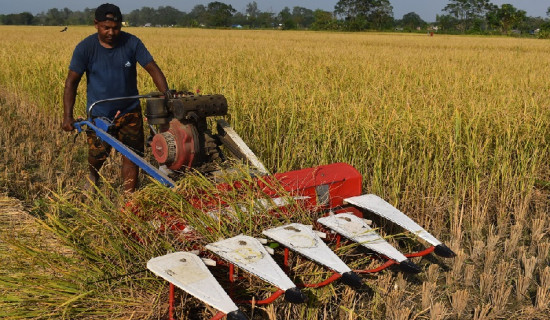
(543,290)
(459,301)
(437,311)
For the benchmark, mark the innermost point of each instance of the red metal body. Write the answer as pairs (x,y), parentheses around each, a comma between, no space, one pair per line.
(326,186)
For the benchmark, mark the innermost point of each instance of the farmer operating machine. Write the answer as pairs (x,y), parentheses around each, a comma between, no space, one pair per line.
(182,140)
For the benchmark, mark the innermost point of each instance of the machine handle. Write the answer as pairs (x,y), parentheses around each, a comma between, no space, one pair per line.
(150,95)
(78,125)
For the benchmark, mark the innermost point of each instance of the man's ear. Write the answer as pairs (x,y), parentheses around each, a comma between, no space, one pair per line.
(95,23)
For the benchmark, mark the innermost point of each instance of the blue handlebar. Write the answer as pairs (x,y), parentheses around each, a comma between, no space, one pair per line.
(100,126)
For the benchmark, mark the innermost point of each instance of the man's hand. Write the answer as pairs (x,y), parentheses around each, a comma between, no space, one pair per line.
(168,94)
(68,124)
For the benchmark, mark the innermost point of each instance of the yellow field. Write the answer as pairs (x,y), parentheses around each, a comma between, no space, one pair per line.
(452,130)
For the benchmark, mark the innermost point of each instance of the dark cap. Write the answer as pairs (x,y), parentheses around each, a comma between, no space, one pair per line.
(105,9)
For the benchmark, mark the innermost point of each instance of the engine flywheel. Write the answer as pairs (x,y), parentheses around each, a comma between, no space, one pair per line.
(177,146)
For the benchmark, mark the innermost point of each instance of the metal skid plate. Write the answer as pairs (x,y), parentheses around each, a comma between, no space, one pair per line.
(187,271)
(236,145)
(380,207)
(250,255)
(303,240)
(357,230)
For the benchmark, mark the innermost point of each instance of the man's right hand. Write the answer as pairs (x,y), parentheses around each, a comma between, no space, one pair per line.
(168,94)
(68,124)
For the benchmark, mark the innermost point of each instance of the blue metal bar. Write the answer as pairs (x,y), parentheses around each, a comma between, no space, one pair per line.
(127,152)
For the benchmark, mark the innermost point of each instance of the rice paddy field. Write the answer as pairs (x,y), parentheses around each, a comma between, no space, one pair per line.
(452,130)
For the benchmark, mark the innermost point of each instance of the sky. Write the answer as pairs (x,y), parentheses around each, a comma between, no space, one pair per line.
(427,9)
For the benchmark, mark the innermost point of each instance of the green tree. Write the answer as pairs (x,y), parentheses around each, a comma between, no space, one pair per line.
(24,18)
(143,16)
(381,16)
(132,17)
(252,13)
(286,19)
(135,18)
(267,20)
(240,18)
(56,17)
(363,14)
(492,18)
(168,16)
(349,9)
(412,20)
(506,17)
(198,15)
(468,12)
(446,22)
(219,14)
(530,24)
(85,17)
(303,17)
(323,20)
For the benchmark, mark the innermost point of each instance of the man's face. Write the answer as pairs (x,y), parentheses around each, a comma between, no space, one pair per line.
(108,31)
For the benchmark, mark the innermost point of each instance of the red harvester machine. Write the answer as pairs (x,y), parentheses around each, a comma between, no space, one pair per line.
(332,193)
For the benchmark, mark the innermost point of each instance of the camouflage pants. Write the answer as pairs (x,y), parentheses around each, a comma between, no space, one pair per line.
(127,128)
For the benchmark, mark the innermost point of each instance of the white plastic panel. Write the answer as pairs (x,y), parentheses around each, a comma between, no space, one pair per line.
(357,230)
(303,240)
(380,207)
(186,271)
(249,254)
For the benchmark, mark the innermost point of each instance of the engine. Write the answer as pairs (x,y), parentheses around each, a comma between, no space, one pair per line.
(182,138)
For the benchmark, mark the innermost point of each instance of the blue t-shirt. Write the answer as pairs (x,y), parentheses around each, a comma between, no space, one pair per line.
(110,73)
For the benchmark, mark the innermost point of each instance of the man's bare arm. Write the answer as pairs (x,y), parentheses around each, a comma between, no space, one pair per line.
(69,98)
(158,77)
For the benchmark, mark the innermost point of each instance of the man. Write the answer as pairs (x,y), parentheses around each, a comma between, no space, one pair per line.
(109,60)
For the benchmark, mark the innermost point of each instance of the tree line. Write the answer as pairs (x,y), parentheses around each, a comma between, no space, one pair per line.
(460,16)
